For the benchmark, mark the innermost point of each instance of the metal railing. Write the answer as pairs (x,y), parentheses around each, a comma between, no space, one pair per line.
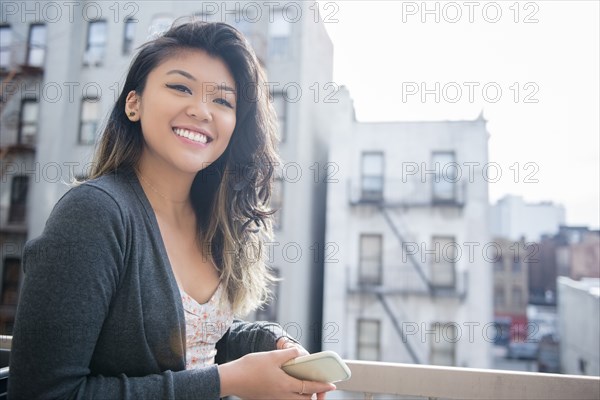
(426,381)
(406,193)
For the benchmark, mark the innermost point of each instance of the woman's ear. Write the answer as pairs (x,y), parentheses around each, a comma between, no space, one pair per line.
(132,106)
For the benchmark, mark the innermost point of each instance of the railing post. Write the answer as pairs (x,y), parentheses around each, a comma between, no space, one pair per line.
(368,396)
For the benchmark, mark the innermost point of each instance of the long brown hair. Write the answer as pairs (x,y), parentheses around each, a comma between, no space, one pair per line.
(230,196)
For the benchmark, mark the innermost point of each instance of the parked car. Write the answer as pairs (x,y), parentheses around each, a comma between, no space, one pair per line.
(522,350)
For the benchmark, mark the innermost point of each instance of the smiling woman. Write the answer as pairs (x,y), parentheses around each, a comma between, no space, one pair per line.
(152,273)
(184,108)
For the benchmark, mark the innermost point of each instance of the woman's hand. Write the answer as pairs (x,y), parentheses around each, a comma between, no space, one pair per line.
(286,343)
(259,376)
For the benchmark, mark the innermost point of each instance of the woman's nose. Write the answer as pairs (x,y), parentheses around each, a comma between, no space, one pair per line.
(200,110)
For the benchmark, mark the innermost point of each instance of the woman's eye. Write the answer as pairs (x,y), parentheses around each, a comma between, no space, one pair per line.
(180,88)
(224,102)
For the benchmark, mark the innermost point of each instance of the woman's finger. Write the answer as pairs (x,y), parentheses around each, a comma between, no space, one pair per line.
(311,387)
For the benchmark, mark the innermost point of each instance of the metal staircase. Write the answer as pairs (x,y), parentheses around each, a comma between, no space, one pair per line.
(413,261)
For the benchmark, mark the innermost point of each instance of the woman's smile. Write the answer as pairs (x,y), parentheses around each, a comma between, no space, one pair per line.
(194,136)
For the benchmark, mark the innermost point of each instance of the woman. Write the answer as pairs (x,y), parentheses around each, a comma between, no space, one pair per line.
(131,290)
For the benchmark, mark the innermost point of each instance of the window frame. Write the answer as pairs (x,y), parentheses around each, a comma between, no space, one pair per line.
(85,100)
(88,45)
(279,54)
(440,179)
(128,41)
(6,49)
(17,210)
(365,279)
(372,195)
(32,27)
(442,239)
(20,136)
(437,345)
(375,344)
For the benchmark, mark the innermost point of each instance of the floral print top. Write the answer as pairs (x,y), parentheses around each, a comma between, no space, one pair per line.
(205,324)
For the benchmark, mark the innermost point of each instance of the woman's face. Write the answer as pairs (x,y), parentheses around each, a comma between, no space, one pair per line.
(187,111)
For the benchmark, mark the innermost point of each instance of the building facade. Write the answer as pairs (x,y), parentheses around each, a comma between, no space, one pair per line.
(62,68)
(515,219)
(583,256)
(407,278)
(573,252)
(579,325)
(511,287)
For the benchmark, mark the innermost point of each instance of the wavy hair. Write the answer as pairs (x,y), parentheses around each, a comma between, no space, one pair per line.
(230,197)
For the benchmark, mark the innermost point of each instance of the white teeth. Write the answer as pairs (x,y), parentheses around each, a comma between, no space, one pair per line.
(196,137)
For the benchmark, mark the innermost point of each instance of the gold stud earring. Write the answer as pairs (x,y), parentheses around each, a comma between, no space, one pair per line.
(132,113)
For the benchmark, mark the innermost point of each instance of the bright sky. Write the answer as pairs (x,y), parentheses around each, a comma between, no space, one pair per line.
(383,52)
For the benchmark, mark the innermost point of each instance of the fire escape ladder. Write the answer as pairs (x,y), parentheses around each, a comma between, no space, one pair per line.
(13,75)
(398,328)
(413,261)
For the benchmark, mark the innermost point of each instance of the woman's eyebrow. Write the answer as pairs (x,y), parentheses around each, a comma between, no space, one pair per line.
(180,72)
(226,88)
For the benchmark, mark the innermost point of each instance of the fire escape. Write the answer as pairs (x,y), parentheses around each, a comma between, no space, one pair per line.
(18,115)
(368,193)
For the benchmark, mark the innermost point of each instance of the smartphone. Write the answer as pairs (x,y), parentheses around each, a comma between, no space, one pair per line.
(325,366)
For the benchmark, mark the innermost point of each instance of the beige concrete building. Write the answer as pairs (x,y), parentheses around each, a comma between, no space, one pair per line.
(407,278)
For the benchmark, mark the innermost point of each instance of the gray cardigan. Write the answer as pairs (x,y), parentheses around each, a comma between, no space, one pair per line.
(100,314)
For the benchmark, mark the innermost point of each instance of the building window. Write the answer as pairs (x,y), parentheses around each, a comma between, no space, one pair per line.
(499,299)
(10,281)
(268,312)
(517,297)
(90,112)
(446,176)
(372,176)
(368,333)
(18,199)
(280,105)
(129,35)
(28,121)
(36,50)
(96,43)
(443,262)
(370,260)
(279,35)
(5,43)
(442,344)
(277,203)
